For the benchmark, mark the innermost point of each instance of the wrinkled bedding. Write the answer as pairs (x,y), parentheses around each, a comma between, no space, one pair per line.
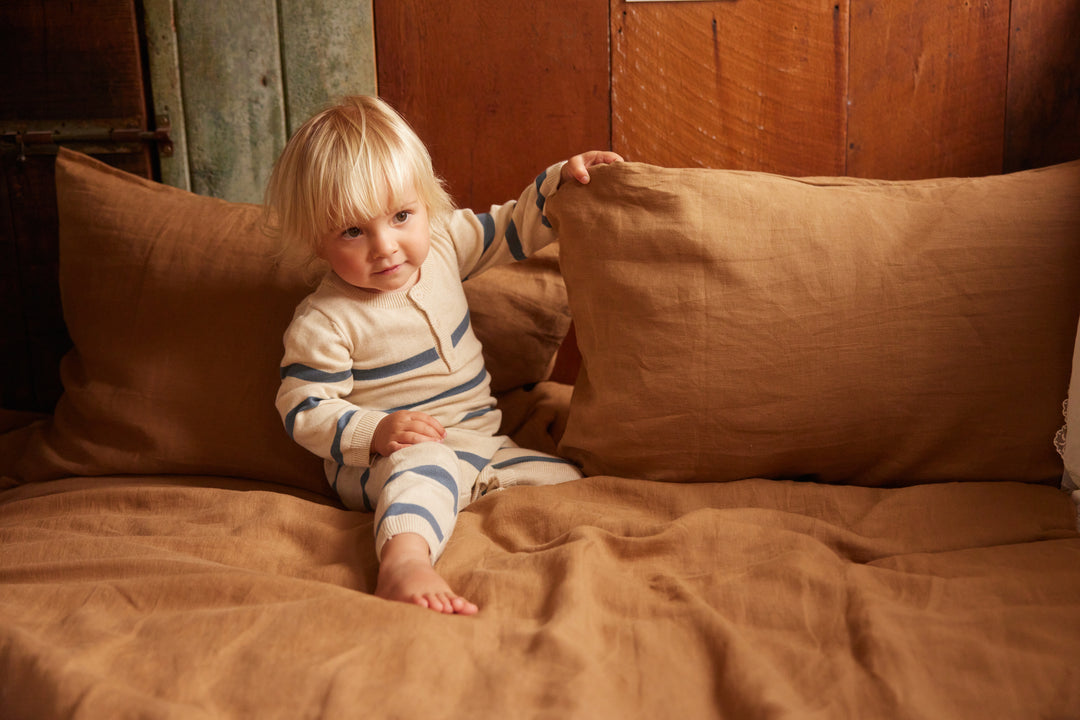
(162,556)
(205,597)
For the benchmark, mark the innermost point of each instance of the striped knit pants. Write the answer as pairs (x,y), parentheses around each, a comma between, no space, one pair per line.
(423,487)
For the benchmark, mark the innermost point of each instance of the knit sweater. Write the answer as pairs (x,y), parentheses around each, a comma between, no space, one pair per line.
(352,357)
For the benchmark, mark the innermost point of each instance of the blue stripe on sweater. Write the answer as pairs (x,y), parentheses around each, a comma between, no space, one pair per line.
(455,337)
(462,388)
(541,200)
(514,242)
(477,461)
(399,368)
(476,413)
(432,472)
(335,447)
(290,418)
(310,374)
(411,509)
(489,228)
(530,458)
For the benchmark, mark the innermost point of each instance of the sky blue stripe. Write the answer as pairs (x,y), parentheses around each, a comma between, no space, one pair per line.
(476,413)
(489,228)
(409,364)
(477,461)
(335,447)
(529,458)
(432,472)
(464,387)
(541,200)
(411,509)
(310,374)
(290,418)
(363,485)
(455,337)
(514,242)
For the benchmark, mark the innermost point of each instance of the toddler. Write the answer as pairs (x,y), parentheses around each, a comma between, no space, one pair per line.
(382,375)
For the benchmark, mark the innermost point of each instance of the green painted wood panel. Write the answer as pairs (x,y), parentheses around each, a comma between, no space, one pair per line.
(235,78)
(328,51)
(168,100)
(230,73)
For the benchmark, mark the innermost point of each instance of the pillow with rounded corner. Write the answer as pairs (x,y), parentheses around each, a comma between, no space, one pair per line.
(739,324)
(176,310)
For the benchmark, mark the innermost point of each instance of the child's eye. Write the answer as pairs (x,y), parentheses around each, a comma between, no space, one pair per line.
(353,232)
(402,216)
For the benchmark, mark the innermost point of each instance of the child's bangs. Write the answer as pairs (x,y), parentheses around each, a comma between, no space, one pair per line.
(369,189)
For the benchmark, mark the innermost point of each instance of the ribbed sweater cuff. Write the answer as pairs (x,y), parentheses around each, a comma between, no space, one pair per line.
(359,445)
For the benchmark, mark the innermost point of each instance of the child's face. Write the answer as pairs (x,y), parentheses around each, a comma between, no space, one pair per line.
(383,254)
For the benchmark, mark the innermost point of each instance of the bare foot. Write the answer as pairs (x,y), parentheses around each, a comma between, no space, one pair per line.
(406,575)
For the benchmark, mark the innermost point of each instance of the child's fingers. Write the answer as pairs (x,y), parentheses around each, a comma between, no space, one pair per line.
(428,424)
(418,427)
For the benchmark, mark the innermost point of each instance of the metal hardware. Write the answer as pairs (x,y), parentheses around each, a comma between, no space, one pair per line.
(106,140)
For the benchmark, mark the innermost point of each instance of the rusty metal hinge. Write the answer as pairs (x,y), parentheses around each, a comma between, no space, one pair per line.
(101,139)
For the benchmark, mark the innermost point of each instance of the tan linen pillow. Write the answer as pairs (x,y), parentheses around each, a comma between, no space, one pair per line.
(176,310)
(737,324)
(520,314)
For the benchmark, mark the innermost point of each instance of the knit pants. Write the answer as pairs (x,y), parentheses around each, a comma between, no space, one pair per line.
(422,488)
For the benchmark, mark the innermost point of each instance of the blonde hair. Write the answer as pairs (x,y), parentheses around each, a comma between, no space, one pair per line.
(348,164)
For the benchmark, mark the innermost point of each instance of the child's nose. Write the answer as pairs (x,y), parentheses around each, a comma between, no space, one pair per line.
(383,244)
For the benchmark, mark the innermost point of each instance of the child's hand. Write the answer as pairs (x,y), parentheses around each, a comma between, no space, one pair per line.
(577,167)
(404,428)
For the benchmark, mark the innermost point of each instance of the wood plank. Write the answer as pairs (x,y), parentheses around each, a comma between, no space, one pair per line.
(753,86)
(1042,124)
(66,60)
(33,337)
(68,66)
(927,88)
(498,89)
(230,71)
(163,58)
(328,51)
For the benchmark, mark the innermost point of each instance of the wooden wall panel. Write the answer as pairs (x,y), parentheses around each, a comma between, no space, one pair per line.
(167,98)
(66,60)
(497,89)
(230,72)
(33,337)
(236,79)
(743,85)
(928,84)
(328,51)
(1043,111)
(67,67)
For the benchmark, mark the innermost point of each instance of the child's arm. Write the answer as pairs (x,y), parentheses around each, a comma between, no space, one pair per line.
(316,379)
(577,167)
(517,229)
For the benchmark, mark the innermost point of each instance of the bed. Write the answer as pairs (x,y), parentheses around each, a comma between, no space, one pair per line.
(823,423)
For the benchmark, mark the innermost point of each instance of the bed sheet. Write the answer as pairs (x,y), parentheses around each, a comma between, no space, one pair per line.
(200,597)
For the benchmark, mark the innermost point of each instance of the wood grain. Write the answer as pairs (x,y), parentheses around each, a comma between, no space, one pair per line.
(67,66)
(1043,112)
(65,60)
(497,89)
(328,51)
(742,85)
(231,78)
(928,84)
